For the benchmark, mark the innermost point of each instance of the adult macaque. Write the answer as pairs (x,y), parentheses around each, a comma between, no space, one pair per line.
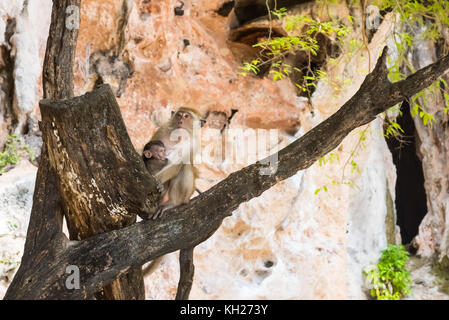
(180,139)
(217,122)
(178,135)
(219,119)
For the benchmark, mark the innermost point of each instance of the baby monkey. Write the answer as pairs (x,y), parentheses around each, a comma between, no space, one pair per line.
(155,159)
(154,156)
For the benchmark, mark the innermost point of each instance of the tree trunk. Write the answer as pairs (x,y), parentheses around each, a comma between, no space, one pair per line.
(88,143)
(83,218)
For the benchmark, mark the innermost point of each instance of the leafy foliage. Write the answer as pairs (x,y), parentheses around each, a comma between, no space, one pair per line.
(354,166)
(432,16)
(10,263)
(389,279)
(393,129)
(12,152)
(10,155)
(302,37)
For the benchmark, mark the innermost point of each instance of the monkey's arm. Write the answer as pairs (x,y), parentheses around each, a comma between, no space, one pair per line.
(160,134)
(168,172)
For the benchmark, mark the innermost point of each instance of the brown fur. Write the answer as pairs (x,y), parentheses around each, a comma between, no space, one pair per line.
(181,176)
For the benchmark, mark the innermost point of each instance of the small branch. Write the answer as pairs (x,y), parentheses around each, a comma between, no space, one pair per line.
(187,270)
(422,78)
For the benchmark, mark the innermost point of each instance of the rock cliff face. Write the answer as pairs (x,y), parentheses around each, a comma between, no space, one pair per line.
(16,198)
(308,237)
(23,36)
(174,60)
(433,146)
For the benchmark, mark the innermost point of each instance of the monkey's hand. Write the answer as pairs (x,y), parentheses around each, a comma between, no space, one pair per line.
(160,187)
(161,210)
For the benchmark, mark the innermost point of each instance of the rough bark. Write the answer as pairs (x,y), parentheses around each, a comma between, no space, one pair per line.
(90,150)
(101,178)
(187,271)
(101,258)
(57,75)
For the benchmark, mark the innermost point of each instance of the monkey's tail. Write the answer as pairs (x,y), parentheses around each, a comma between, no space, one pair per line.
(154,264)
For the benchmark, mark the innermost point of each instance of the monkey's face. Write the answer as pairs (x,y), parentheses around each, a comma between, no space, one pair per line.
(183,119)
(156,152)
(217,120)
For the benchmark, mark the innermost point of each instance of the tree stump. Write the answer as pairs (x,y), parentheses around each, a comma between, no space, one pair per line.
(90,151)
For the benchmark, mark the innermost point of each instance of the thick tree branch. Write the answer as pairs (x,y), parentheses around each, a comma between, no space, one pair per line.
(103,257)
(423,78)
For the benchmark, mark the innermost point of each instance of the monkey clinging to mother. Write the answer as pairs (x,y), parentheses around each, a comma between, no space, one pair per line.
(178,174)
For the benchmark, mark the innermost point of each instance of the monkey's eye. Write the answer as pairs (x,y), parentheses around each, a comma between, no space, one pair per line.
(186,115)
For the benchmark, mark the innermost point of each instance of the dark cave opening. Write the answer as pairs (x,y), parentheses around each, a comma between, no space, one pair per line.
(411,200)
(248,10)
(226,8)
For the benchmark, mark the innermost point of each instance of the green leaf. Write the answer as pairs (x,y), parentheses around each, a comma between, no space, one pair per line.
(389,278)
(351,19)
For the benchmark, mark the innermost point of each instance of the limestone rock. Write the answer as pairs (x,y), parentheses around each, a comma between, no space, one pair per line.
(16,198)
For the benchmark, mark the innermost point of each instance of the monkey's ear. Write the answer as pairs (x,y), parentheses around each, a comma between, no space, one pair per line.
(147,154)
(203,122)
(233,112)
(172,114)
